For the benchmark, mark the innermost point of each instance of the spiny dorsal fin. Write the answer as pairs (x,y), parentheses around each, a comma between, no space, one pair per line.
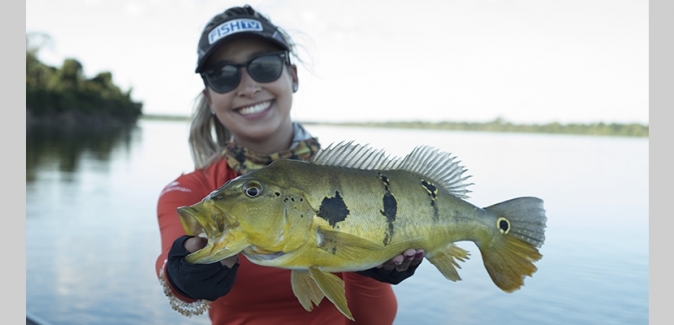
(439,167)
(348,154)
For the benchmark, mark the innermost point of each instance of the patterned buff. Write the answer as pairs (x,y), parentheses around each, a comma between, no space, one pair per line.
(243,160)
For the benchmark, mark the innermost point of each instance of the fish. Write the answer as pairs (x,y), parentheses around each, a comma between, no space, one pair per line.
(354,207)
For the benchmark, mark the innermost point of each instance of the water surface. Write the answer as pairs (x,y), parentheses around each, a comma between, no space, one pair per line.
(92,237)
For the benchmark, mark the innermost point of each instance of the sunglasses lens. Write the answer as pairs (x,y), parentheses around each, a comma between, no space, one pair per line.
(224,79)
(266,68)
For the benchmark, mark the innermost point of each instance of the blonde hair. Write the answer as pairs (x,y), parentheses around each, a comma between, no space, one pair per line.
(207,135)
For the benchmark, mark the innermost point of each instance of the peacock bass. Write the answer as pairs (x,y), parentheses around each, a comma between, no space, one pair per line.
(352,208)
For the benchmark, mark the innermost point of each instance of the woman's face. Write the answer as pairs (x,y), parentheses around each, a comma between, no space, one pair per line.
(254,112)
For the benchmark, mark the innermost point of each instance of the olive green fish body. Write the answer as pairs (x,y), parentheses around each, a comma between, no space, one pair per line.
(394,209)
(353,208)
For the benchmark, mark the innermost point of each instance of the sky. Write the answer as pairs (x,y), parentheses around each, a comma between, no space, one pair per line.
(525,61)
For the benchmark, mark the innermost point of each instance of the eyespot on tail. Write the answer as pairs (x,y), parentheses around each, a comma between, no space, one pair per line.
(520,226)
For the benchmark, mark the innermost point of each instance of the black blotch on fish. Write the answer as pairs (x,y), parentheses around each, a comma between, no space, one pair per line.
(432,190)
(390,209)
(333,209)
(433,193)
(277,194)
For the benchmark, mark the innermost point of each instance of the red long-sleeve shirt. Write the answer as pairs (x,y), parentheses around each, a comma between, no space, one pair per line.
(263,295)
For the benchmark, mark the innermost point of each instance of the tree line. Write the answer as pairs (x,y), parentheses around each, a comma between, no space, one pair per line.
(65,91)
(500,125)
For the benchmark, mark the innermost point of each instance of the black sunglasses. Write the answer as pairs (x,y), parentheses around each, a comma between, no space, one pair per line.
(225,77)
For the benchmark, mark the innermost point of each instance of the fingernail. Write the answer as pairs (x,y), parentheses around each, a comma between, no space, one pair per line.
(398,262)
(419,255)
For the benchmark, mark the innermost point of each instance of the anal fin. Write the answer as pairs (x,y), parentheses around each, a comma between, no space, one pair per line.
(445,260)
(305,289)
(333,288)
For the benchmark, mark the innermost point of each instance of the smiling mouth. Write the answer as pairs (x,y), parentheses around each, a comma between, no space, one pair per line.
(257,108)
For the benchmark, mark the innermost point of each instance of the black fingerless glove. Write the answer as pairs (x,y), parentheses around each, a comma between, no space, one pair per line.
(389,276)
(197,281)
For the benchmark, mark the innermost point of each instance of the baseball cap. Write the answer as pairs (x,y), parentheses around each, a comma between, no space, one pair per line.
(227,29)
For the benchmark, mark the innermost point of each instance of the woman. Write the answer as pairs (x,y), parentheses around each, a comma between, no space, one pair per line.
(249,81)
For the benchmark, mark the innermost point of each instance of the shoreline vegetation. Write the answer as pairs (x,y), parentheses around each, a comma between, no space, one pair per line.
(496,125)
(63,96)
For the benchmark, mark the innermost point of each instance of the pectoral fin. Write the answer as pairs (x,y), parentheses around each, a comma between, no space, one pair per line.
(305,289)
(346,246)
(445,261)
(333,288)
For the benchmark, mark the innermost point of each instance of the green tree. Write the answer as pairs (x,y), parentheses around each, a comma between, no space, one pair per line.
(61,90)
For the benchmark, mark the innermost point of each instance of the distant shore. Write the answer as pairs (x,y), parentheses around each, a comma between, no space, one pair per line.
(497,125)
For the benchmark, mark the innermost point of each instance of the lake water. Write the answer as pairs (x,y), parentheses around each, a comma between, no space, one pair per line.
(92,237)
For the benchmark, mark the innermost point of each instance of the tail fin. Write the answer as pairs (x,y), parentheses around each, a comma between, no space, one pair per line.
(520,224)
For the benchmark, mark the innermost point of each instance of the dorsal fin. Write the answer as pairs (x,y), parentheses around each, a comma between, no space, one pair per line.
(438,167)
(348,154)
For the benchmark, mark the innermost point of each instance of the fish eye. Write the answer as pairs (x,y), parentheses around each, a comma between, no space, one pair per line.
(252,189)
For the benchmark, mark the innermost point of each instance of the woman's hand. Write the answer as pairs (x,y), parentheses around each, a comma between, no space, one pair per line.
(398,268)
(198,281)
(402,262)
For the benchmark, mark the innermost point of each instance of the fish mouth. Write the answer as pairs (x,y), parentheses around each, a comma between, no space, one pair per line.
(226,245)
(190,220)
(224,238)
(198,220)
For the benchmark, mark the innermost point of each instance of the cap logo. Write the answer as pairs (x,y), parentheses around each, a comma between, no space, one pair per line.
(232,27)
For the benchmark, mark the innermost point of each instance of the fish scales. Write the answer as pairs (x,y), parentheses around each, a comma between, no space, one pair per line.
(353,208)
(418,216)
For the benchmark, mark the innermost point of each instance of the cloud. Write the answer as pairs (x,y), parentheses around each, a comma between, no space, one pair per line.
(134,8)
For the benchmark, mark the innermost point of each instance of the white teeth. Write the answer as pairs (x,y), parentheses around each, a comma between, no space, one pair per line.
(255,108)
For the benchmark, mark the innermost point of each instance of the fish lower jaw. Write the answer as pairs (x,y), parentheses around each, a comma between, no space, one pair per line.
(209,254)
